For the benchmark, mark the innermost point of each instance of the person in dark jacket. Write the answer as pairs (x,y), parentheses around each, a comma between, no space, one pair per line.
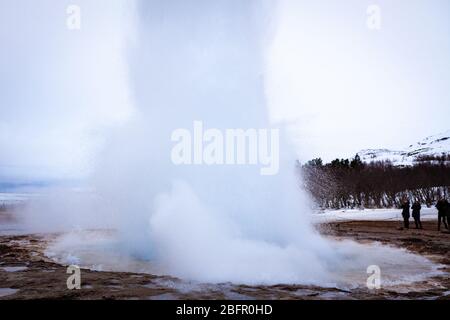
(405,213)
(442,206)
(416,214)
(448,215)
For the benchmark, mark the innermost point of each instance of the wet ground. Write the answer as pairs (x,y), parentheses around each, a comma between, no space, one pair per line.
(26,273)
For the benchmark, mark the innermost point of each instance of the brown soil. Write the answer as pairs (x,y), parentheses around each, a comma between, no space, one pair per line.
(44,279)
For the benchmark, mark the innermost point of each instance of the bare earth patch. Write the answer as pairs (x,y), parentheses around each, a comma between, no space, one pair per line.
(25,273)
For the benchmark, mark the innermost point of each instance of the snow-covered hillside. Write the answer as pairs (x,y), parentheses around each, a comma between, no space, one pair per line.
(431,146)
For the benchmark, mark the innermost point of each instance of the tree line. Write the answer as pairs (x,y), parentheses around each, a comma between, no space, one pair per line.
(351,183)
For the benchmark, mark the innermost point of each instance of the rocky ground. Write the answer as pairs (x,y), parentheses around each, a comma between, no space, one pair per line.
(25,273)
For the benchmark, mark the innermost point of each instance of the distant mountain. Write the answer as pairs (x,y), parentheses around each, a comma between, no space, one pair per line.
(429,149)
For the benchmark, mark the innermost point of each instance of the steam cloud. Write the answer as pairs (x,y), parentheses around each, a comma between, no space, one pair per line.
(186,62)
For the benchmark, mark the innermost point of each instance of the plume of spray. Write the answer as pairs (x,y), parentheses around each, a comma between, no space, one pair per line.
(209,223)
(166,65)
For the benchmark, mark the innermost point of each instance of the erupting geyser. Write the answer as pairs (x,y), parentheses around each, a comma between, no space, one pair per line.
(206,222)
(201,62)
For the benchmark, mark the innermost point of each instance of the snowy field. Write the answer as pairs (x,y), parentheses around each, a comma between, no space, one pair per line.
(369,215)
(14,198)
(318,217)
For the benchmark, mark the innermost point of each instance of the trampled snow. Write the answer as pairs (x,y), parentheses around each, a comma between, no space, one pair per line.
(369,215)
(13,198)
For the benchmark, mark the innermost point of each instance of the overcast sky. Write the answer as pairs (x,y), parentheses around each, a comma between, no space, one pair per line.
(347,87)
(60,89)
(353,88)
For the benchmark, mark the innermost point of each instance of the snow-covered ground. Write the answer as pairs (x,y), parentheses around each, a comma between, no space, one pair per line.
(369,215)
(318,216)
(14,198)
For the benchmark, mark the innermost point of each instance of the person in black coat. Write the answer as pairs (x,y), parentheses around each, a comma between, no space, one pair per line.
(442,206)
(448,215)
(416,214)
(405,213)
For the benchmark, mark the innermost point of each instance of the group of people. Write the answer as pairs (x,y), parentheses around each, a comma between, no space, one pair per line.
(442,205)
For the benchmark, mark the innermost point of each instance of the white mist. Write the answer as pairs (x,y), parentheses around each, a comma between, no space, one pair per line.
(205,61)
(210,223)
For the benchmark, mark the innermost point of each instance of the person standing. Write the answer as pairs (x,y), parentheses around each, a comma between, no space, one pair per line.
(416,214)
(405,213)
(442,206)
(448,215)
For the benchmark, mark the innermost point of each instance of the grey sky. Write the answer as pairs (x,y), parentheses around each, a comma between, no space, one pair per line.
(60,89)
(354,88)
(348,87)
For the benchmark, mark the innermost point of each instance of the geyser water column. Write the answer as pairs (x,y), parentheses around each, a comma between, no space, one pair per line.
(204,61)
(212,62)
